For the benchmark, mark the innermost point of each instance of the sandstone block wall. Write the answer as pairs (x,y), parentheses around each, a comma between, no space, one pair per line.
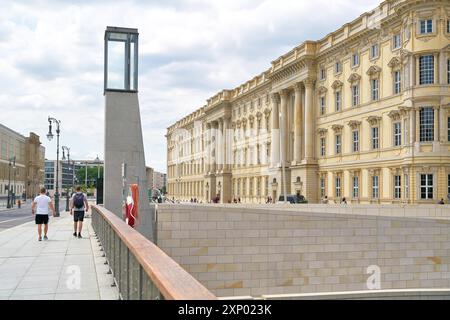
(237,251)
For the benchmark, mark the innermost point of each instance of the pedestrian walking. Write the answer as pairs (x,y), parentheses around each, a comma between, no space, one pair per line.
(40,209)
(78,206)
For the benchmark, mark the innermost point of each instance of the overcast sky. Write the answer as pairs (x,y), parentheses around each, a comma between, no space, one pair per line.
(51,58)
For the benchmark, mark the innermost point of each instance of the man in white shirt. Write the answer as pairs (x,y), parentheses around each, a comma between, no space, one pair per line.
(40,207)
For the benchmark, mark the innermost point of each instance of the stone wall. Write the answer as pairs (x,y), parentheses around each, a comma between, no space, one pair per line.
(238,251)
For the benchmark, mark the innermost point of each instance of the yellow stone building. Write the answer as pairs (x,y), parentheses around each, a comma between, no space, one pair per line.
(27,176)
(363,113)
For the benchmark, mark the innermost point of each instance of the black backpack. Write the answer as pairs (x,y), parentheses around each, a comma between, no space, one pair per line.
(78,200)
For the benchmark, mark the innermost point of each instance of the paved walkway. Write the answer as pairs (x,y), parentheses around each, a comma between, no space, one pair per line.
(62,268)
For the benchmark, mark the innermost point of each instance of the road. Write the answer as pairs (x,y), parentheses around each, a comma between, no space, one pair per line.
(13,217)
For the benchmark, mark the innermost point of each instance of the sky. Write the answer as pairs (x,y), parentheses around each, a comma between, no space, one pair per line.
(51,59)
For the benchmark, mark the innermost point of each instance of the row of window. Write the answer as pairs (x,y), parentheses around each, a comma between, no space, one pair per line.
(426,76)
(426,27)
(426,131)
(426,186)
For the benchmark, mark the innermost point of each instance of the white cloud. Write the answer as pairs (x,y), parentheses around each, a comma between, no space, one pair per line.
(51,58)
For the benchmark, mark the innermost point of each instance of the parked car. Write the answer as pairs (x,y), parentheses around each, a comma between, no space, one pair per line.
(293,198)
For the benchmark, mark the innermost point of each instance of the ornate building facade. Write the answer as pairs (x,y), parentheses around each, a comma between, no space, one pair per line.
(363,113)
(21,163)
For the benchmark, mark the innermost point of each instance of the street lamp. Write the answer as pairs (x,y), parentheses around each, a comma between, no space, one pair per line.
(12,162)
(14,187)
(97,161)
(64,148)
(86,176)
(73,175)
(50,137)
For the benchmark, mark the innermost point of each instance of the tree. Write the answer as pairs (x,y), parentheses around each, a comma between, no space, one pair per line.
(80,176)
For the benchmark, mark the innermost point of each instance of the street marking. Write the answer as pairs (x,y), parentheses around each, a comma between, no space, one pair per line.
(13,220)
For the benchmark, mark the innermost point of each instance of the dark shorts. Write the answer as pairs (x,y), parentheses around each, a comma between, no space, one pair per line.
(78,216)
(41,219)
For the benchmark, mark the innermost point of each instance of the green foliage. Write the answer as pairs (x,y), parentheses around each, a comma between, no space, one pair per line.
(80,177)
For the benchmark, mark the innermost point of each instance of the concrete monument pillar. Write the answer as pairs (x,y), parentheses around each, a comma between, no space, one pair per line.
(123,131)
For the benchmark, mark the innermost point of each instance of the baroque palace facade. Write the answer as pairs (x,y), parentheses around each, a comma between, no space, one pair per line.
(363,113)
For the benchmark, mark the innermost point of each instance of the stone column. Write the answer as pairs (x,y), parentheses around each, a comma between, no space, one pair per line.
(417,126)
(214,146)
(309,120)
(208,148)
(436,124)
(220,145)
(284,95)
(412,126)
(226,144)
(412,70)
(297,123)
(275,142)
(442,121)
(436,67)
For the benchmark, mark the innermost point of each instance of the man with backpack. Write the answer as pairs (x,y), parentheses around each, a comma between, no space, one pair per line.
(78,206)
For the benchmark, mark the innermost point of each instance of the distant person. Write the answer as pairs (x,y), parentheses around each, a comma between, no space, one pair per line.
(78,206)
(19,203)
(441,201)
(344,201)
(40,208)
(325,200)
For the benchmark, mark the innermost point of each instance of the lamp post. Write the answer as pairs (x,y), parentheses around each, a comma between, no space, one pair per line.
(97,160)
(50,137)
(64,148)
(12,162)
(73,175)
(14,187)
(86,175)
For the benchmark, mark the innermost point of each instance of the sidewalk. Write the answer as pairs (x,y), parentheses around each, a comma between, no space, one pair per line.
(62,268)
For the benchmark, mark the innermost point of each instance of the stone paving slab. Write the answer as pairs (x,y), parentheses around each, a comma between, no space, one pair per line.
(62,268)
